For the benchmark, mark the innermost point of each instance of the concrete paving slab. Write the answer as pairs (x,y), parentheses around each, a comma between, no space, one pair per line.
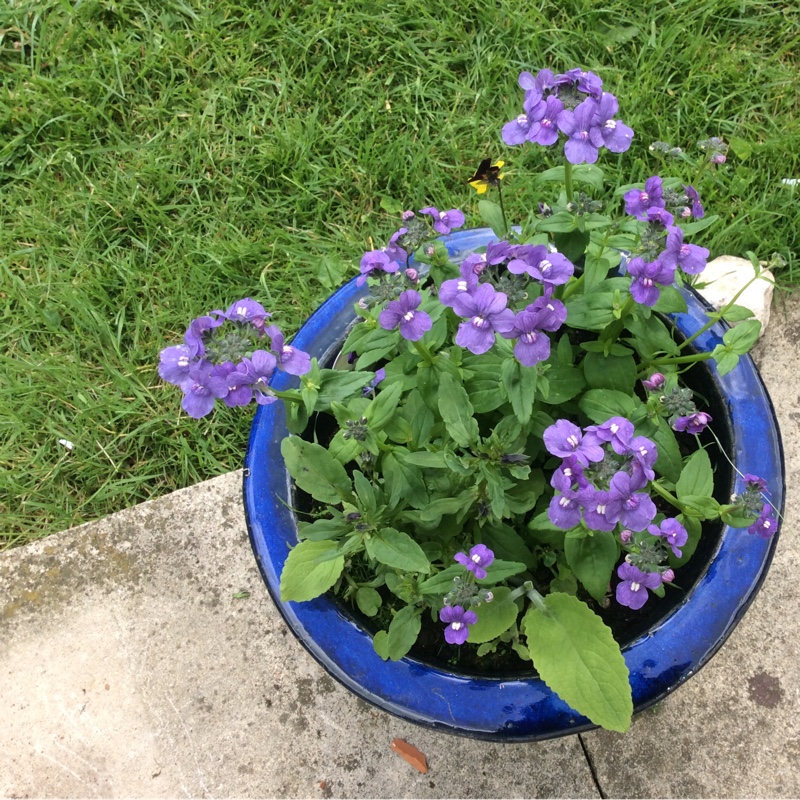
(734,729)
(128,668)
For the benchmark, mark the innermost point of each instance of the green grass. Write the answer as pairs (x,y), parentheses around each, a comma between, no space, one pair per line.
(161,158)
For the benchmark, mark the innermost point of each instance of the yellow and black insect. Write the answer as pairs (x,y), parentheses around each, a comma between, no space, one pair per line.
(486,175)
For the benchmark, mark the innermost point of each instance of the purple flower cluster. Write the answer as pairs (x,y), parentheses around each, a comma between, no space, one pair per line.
(478,559)
(404,314)
(485,310)
(459,620)
(753,502)
(589,457)
(574,104)
(217,364)
(663,248)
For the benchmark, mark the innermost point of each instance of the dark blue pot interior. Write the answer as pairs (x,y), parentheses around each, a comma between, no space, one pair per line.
(724,577)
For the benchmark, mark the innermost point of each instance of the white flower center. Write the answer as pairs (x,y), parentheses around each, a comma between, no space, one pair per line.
(564,502)
(478,322)
(183,361)
(647,282)
(573,441)
(545,265)
(644,197)
(461,286)
(614,427)
(287,350)
(408,316)
(522,119)
(476,558)
(456,626)
(531,337)
(601,509)
(635,586)
(610,125)
(241,311)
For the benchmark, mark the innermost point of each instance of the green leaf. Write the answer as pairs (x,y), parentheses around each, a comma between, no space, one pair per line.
(397,549)
(500,570)
(382,408)
(331,272)
(742,149)
(726,362)
(591,312)
(368,601)
(520,385)
(741,338)
(316,471)
(736,313)
(456,411)
(303,578)
(560,222)
(380,641)
(403,632)
(610,372)
(670,301)
(697,477)
(651,335)
(564,384)
(505,542)
(571,245)
(592,559)
(322,529)
(602,404)
(493,618)
(365,492)
(695,529)
(442,582)
(690,228)
(698,505)
(492,215)
(420,418)
(337,385)
(391,206)
(403,480)
(577,657)
(669,462)
(590,174)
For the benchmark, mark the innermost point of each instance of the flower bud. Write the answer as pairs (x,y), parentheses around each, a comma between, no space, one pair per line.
(625,536)
(654,382)
(407,215)
(668,576)
(412,275)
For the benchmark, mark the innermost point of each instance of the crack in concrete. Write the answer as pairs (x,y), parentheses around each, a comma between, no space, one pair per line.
(590,762)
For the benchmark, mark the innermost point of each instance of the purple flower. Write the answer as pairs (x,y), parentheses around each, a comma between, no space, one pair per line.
(754,482)
(565,439)
(632,591)
(564,510)
(467,283)
(693,423)
(691,258)
(545,130)
(290,359)
(444,221)
(583,81)
(174,363)
(673,532)
(644,454)
(583,135)
(616,430)
(766,525)
(647,278)
(550,268)
(625,536)
(240,392)
(655,382)
(260,367)
(379,376)
(375,261)
(616,135)
(518,130)
(639,201)
(459,621)
(201,388)
(486,313)
(694,198)
(552,313)
(533,345)
(403,312)
(598,511)
(393,250)
(198,328)
(633,509)
(247,310)
(479,557)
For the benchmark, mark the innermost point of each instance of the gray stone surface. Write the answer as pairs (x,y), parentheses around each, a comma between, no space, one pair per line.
(129,669)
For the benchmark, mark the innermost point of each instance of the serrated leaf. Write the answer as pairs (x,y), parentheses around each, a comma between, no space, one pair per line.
(303,578)
(397,549)
(403,632)
(697,477)
(493,618)
(577,657)
(315,470)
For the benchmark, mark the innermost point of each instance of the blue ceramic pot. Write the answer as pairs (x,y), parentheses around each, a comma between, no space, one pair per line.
(724,576)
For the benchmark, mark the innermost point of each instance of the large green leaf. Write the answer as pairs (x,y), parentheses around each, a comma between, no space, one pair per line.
(456,411)
(307,574)
(492,215)
(315,470)
(602,404)
(403,480)
(592,559)
(494,618)
(397,549)
(577,657)
(403,632)
(610,372)
(381,409)
(697,477)
(669,460)
(520,385)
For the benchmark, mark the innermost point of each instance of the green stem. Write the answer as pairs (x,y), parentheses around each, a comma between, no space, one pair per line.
(424,352)
(502,208)
(568,180)
(573,287)
(289,395)
(660,362)
(668,496)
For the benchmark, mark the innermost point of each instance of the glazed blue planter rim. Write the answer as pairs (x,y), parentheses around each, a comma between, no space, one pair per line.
(515,709)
